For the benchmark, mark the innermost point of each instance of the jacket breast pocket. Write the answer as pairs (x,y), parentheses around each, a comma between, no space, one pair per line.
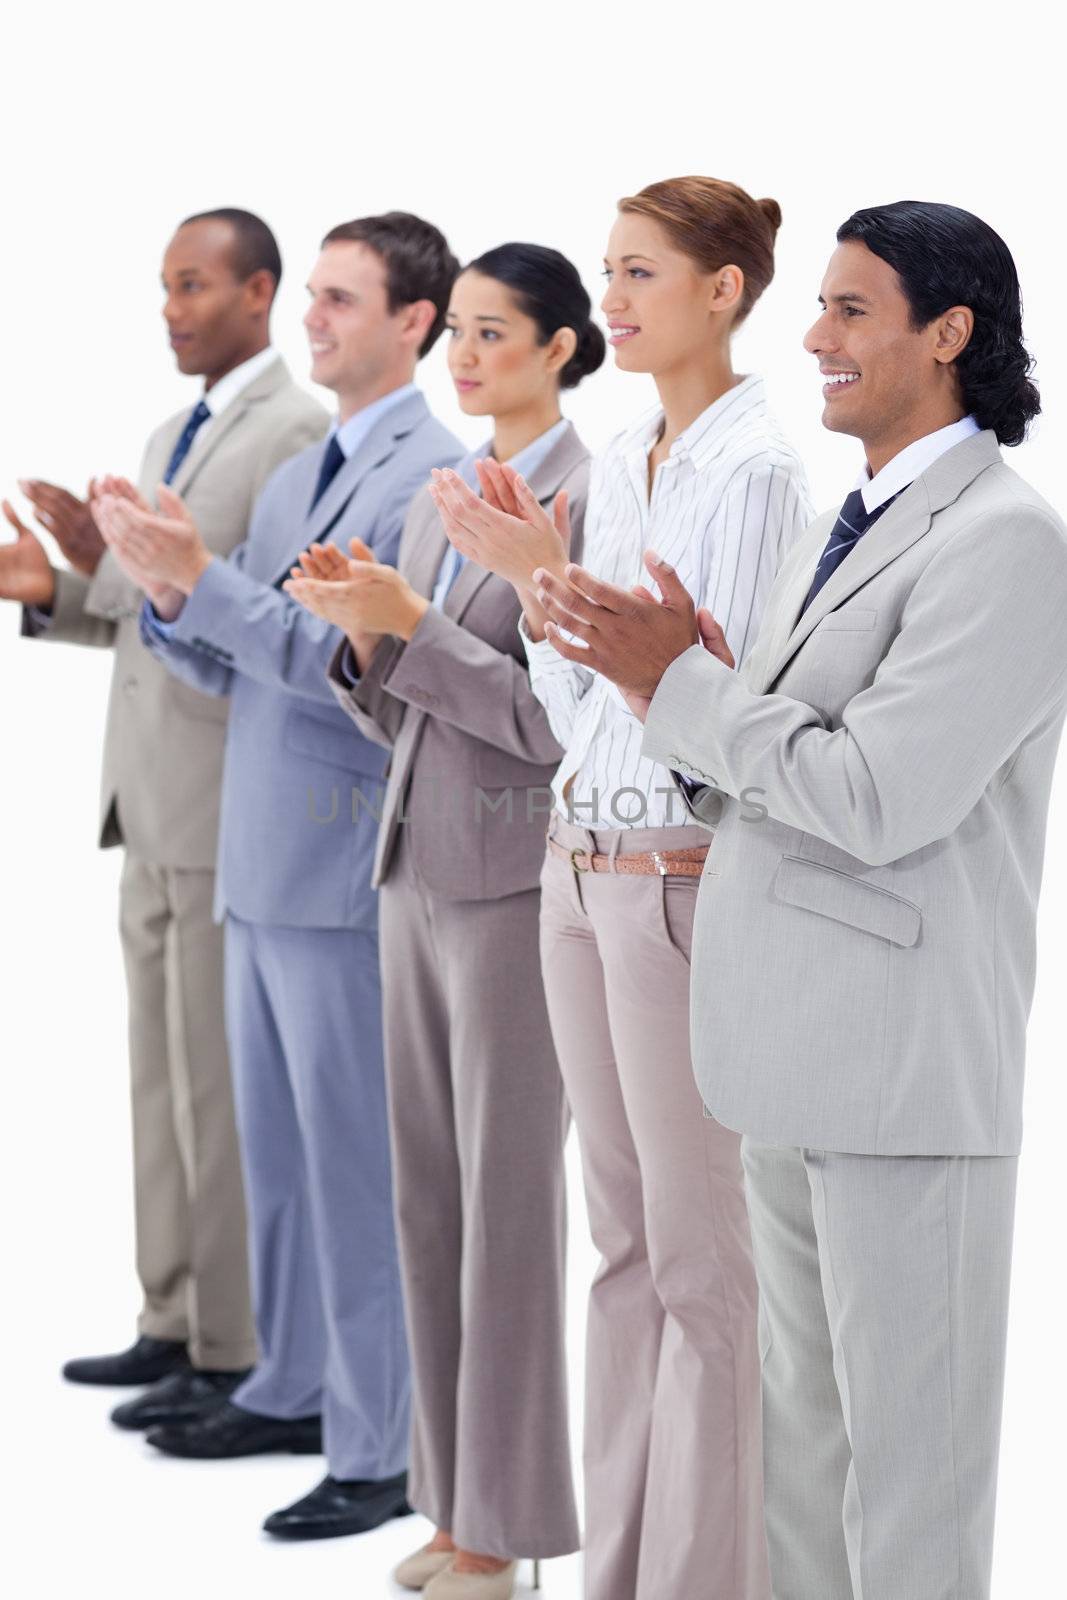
(830,893)
(336,744)
(850,619)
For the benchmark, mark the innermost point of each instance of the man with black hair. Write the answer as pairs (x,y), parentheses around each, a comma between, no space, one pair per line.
(302,794)
(877,778)
(162,770)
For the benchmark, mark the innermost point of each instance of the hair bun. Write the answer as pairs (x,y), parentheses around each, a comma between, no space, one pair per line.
(588,355)
(772,211)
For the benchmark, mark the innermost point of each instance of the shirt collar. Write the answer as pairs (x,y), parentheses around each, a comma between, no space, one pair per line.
(351,434)
(704,436)
(525,461)
(909,463)
(225,392)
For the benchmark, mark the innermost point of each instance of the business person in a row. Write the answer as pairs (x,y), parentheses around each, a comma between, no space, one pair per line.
(878,777)
(435,670)
(674,1503)
(162,770)
(301,790)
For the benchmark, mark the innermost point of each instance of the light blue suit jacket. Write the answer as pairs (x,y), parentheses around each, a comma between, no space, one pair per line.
(301,789)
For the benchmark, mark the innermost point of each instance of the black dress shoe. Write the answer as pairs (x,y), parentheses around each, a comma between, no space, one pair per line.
(226,1430)
(182,1397)
(144,1362)
(337,1506)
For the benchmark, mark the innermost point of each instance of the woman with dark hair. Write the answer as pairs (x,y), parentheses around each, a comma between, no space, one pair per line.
(672,1440)
(434,669)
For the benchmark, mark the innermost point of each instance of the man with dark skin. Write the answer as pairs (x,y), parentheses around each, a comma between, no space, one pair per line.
(160,795)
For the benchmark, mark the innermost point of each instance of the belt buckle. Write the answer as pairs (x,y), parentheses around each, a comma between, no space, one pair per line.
(574,865)
(660,864)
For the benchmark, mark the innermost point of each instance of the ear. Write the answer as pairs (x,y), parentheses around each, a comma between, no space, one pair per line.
(727,288)
(416,320)
(954,330)
(259,291)
(559,349)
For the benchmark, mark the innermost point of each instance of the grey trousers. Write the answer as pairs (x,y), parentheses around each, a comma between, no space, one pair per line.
(673,1488)
(303,1006)
(478,1121)
(883,1320)
(192,1253)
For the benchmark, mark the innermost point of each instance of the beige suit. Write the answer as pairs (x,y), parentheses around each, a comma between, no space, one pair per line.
(865,944)
(159,798)
(477,1108)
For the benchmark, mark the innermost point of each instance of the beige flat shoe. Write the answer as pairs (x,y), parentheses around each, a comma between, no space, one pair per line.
(452,1585)
(417,1570)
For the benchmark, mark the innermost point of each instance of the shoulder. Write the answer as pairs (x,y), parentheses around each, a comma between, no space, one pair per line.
(292,406)
(430,438)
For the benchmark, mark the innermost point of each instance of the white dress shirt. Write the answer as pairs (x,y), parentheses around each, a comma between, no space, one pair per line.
(909,463)
(726,506)
(525,461)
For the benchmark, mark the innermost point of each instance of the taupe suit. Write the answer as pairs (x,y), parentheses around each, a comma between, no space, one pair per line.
(162,770)
(867,945)
(477,1109)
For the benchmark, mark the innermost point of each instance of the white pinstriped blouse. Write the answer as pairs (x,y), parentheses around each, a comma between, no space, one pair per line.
(726,505)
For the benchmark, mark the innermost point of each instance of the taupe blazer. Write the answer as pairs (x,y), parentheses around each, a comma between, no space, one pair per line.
(863,961)
(473,755)
(163,744)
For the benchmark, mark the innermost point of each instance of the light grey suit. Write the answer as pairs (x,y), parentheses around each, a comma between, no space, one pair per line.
(868,950)
(162,770)
(476,1103)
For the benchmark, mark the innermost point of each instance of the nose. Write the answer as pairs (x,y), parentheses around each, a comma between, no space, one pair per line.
(818,339)
(170,315)
(313,318)
(613,300)
(464,351)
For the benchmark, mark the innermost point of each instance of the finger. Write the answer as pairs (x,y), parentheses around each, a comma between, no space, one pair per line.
(643,594)
(12,517)
(607,595)
(361,551)
(713,638)
(529,506)
(172,505)
(569,608)
(671,587)
(582,654)
(503,496)
(561,518)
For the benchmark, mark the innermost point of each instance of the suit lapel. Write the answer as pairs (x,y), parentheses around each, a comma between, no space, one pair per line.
(267,384)
(907,520)
(545,481)
(379,444)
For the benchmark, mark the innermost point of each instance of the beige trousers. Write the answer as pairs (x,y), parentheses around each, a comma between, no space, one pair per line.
(477,1121)
(189,1199)
(673,1483)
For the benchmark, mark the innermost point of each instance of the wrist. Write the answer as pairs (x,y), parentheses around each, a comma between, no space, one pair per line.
(414,611)
(198,565)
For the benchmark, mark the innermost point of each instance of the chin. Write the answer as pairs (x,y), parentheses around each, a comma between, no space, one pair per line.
(838,421)
(475,405)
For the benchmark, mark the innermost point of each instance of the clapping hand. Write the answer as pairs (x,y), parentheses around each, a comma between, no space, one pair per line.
(506,530)
(70,521)
(161,551)
(361,595)
(26,575)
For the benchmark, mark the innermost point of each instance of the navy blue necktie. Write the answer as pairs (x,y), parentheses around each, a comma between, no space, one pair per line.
(853,521)
(197,417)
(332,461)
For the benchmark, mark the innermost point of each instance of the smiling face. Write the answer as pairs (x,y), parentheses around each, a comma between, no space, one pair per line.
(884,381)
(657,303)
(357,344)
(215,321)
(496,362)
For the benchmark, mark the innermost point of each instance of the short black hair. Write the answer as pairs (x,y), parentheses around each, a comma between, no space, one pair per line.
(946,257)
(548,289)
(418,263)
(255,249)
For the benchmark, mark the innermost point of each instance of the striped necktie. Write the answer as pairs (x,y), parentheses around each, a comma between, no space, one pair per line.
(853,521)
(197,417)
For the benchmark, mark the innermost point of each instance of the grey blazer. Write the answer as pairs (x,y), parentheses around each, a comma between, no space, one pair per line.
(162,764)
(863,962)
(301,789)
(473,755)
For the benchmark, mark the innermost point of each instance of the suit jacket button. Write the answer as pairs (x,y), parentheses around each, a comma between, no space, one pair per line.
(130,686)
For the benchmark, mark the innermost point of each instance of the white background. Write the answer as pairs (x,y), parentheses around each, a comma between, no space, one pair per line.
(496,121)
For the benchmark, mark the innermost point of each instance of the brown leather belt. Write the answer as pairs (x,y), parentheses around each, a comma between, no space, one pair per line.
(667,863)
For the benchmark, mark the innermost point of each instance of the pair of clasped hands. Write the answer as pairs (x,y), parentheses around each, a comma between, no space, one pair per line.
(627,635)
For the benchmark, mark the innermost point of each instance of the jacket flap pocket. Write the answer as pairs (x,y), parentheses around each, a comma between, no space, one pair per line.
(849,619)
(835,894)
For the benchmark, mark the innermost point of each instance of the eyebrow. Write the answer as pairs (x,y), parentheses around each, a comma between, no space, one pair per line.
(502,320)
(633,257)
(840,299)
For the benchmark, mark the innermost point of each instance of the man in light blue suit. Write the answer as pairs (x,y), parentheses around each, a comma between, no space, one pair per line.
(300,792)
